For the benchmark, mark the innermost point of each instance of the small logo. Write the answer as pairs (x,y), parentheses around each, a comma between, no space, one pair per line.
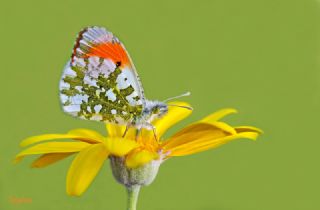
(20,200)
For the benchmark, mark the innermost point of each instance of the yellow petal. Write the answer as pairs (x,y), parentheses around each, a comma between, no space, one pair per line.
(203,126)
(219,115)
(207,143)
(248,129)
(202,136)
(46,137)
(206,134)
(120,146)
(84,168)
(140,157)
(224,127)
(174,115)
(52,147)
(48,159)
(117,131)
(194,132)
(88,134)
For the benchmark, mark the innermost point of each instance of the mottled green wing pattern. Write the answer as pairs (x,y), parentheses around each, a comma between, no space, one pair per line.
(100,88)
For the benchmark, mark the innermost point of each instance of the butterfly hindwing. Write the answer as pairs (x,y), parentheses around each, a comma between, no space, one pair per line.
(100,82)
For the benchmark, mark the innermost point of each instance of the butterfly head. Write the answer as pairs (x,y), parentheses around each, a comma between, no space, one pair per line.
(154,110)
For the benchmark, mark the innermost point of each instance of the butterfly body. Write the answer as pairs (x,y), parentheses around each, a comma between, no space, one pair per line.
(100,83)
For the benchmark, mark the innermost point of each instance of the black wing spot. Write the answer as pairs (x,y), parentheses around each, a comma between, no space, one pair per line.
(118,63)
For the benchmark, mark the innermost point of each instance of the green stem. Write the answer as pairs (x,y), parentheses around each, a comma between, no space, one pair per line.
(133,193)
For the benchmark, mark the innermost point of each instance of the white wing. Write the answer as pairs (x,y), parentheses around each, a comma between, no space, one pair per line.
(100,81)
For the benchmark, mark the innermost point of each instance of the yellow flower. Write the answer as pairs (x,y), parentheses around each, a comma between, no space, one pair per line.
(138,153)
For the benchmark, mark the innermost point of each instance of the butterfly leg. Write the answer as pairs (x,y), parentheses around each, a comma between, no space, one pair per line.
(149,126)
(138,132)
(125,132)
(154,133)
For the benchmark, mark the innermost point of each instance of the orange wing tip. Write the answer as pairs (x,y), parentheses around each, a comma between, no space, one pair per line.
(98,41)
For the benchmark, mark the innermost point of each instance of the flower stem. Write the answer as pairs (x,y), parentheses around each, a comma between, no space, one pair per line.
(133,193)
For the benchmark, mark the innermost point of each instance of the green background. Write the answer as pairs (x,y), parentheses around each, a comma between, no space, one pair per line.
(261,57)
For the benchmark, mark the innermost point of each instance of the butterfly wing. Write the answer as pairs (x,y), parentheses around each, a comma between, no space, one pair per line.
(100,81)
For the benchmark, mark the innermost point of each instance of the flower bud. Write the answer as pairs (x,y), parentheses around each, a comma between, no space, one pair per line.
(143,175)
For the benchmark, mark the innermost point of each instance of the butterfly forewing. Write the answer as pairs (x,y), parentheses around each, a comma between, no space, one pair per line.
(100,81)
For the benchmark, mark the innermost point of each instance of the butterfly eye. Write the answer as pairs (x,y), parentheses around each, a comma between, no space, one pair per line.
(156,110)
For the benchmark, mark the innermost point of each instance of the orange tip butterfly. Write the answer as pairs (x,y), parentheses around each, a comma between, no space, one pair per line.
(101,83)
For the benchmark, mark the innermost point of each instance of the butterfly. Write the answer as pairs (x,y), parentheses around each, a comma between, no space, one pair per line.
(100,83)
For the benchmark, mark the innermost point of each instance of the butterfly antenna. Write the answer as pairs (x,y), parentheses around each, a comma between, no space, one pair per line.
(179,96)
(185,107)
